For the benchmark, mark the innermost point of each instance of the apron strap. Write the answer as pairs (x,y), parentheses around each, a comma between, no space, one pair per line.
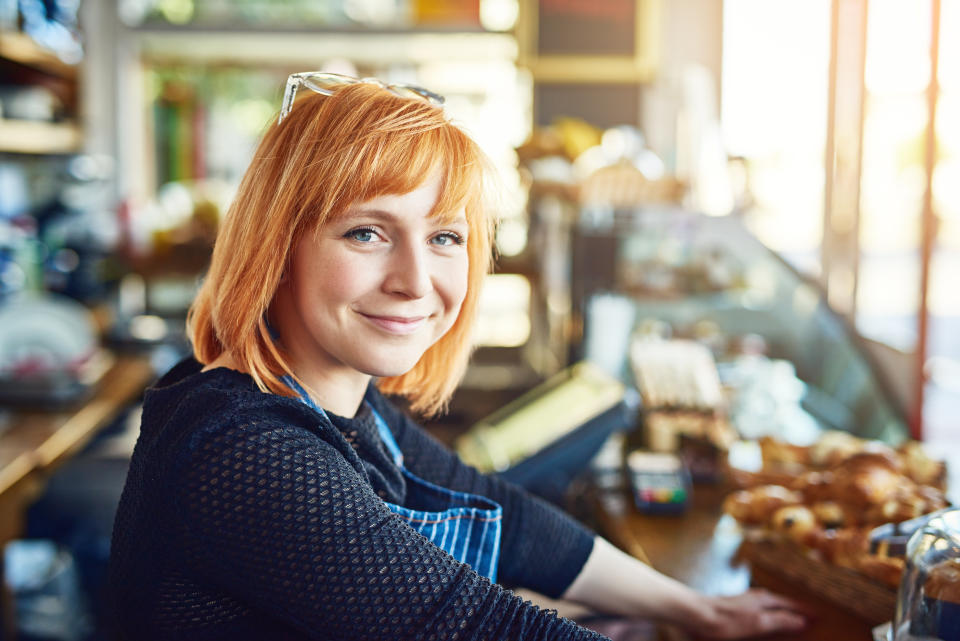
(386,436)
(468,533)
(302,393)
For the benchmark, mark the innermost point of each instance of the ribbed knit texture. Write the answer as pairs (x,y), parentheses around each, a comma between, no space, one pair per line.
(249,516)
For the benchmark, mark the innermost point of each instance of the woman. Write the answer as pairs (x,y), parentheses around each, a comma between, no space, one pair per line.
(275,493)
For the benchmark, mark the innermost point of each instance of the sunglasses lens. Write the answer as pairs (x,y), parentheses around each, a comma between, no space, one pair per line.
(407,91)
(327,83)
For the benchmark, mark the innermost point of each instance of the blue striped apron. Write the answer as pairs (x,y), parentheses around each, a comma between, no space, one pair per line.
(467,526)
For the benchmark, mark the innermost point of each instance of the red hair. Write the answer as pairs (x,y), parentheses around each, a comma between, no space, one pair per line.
(331,152)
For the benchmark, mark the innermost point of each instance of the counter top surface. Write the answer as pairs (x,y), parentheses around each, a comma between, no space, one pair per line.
(35,441)
(700,548)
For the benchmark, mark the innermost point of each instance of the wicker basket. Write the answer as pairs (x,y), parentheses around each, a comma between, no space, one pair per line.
(859,594)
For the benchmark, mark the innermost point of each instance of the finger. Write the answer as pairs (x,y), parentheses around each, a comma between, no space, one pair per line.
(770,601)
(779,621)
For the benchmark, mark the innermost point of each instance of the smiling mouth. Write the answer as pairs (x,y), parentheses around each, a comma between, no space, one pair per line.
(398,325)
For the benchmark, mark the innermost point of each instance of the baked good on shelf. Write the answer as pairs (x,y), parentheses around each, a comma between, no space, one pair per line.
(886,569)
(831,514)
(816,486)
(943,581)
(833,448)
(782,454)
(795,522)
(840,489)
(846,547)
(756,505)
(908,501)
(681,391)
(920,467)
(866,479)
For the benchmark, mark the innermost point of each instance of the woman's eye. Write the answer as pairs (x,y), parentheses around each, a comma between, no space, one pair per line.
(447,239)
(361,234)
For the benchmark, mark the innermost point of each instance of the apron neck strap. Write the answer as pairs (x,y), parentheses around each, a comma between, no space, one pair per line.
(386,436)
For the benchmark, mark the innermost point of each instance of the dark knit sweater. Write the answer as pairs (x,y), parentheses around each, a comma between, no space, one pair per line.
(250,516)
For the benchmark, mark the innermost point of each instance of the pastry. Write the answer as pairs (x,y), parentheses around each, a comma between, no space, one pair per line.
(844,547)
(921,468)
(782,454)
(815,486)
(943,581)
(830,514)
(796,522)
(756,505)
(885,569)
(866,479)
(833,447)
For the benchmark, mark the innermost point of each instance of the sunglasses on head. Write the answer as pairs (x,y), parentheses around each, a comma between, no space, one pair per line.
(327,83)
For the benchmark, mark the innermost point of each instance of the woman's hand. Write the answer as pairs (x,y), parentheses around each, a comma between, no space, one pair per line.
(756,612)
(616,583)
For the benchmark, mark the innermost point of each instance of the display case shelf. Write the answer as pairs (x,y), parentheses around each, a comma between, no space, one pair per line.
(653,270)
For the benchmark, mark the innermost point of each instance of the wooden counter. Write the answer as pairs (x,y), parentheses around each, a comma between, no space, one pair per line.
(36,442)
(699,548)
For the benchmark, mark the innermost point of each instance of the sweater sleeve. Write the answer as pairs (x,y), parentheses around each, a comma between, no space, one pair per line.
(542,548)
(279,517)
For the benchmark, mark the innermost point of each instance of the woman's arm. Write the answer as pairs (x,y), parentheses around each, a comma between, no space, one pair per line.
(615,582)
(603,578)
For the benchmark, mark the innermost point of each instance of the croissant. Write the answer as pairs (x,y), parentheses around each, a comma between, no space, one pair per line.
(943,582)
(885,569)
(815,486)
(756,505)
(866,479)
(921,468)
(831,514)
(844,547)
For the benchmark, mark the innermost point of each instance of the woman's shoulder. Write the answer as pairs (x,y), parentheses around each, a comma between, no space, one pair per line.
(190,404)
(188,385)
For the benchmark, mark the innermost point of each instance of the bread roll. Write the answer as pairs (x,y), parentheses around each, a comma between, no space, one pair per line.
(756,505)
(943,581)
(796,522)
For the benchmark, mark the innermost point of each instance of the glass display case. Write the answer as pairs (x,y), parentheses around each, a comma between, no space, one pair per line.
(793,366)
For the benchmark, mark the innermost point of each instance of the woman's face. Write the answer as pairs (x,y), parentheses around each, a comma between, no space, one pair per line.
(373,289)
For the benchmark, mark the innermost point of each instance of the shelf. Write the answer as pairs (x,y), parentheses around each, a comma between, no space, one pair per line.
(293,48)
(29,137)
(21,48)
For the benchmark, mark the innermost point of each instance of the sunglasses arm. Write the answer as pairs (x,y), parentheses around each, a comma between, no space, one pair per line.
(293,83)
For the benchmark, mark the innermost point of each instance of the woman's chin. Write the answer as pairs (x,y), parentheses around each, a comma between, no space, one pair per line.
(389,370)
(387,363)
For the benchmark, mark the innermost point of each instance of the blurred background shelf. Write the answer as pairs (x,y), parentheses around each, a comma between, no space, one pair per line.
(21,48)
(30,137)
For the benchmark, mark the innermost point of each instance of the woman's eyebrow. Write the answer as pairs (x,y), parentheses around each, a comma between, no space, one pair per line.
(386,215)
(371,212)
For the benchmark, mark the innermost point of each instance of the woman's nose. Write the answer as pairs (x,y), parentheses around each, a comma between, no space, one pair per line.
(410,271)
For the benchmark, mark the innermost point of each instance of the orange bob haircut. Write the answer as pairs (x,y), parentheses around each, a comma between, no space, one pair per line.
(329,153)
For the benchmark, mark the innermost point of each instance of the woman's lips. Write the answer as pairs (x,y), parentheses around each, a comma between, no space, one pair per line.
(400,325)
